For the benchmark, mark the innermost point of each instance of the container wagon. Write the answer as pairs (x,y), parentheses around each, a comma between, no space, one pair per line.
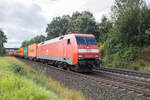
(11,53)
(32,51)
(25,52)
(20,52)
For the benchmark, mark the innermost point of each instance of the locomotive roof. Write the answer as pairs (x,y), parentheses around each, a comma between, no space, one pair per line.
(64,37)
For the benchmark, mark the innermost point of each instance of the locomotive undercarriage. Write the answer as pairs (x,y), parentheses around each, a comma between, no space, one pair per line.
(84,65)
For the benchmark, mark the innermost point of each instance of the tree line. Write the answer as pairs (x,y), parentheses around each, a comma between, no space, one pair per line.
(3,39)
(80,22)
(83,22)
(36,39)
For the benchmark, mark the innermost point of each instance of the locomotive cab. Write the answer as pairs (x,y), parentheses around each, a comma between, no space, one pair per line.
(88,53)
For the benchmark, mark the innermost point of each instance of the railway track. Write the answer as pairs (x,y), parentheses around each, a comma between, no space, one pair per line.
(136,86)
(138,74)
(124,76)
(113,80)
(131,85)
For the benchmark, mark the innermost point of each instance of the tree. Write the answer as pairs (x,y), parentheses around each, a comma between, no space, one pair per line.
(131,18)
(24,43)
(36,39)
(104,29)
(58,26)
(83,23)
(3,39)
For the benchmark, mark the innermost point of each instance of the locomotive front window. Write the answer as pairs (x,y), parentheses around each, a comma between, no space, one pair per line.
(86,40)
(80,40)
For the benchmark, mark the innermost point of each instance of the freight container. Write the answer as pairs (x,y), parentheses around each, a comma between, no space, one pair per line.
(32,51)
(25,51)
(15,53)
(11,53)
(20,52)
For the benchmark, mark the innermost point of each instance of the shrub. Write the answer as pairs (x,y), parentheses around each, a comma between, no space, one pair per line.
(18,69)
(119,53)
(101,49)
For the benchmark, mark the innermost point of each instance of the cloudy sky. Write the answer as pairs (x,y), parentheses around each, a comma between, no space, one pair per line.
(23,19)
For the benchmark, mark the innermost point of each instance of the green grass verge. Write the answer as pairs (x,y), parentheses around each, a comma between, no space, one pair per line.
(19,81)
(15,85)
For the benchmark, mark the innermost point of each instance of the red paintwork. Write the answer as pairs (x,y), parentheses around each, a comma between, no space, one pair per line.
(61,49)
(11,53)
(89,54)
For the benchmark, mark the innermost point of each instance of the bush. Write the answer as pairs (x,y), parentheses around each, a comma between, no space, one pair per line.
(118,53)
(134,67)
(18,69)
(101,49)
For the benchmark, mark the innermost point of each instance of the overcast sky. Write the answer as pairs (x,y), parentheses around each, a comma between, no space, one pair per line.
(24,19)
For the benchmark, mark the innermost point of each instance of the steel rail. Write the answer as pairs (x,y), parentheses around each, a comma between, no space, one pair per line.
(126,72)
(117,78)
(110,82)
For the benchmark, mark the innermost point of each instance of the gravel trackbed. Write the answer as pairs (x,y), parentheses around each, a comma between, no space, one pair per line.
(90,88)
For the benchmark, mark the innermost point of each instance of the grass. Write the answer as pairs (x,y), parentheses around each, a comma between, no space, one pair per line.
(142,61)
(19,81)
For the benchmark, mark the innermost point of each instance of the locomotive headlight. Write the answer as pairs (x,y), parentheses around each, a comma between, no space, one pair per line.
(96,55)
(80,55)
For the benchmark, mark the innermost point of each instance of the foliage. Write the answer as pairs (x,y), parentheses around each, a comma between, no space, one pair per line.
(102,50)
(118,53)
(104,29)
(36,39)
(58,26)
(127,35)
(131,21)
(3,39)
(83,23)
(18,69)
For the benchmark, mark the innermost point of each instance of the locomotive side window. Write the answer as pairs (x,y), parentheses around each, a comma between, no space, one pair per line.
(68,42)
(86,40)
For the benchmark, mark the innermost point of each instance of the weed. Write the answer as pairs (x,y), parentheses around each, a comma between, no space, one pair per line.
(18,69)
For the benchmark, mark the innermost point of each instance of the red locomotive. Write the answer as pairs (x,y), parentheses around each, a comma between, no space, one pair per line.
(77,52)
